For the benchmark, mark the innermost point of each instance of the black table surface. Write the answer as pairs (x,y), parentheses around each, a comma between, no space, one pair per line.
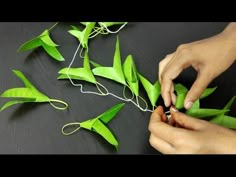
(36,128)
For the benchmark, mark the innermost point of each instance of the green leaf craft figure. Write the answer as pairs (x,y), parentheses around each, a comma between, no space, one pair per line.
(44,41)
(83,36)
(27,94)
(98,125)
(153,90)
(115,72)
(84,73)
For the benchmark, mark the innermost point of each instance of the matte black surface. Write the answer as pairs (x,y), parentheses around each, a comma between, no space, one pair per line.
(36,128)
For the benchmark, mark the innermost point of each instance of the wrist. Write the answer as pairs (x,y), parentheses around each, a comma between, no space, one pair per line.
(229,38)
(230,30)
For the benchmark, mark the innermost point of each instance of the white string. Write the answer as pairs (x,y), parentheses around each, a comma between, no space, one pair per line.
(107,92)
(116,30)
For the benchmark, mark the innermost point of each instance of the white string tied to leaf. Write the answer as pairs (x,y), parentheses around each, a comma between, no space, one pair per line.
(98,85)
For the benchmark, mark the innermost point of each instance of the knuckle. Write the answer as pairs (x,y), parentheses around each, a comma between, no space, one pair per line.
(150,126)
(152,140)
(181,47)
(184,49)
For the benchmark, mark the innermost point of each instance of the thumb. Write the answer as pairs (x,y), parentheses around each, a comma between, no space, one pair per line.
(200,84)
(184,120)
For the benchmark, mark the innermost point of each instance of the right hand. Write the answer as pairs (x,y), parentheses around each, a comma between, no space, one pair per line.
(209,57)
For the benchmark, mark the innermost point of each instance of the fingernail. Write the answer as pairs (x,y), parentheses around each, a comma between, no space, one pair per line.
(188,104)
(174,109)
(165,103)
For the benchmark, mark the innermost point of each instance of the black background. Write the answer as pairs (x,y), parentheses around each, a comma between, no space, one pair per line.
(36,128)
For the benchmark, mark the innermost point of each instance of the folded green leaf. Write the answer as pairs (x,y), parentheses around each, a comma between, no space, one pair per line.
(181,94)
(207,92)
(102,130)
(26,94)
(53,52)
(47,40)
(224,120)
(114,73)
(84,73)
(229,104)
(196,104)
(109,114)
(44,41)
(95,64)
(83,36)
(130,73)
(153,91)
(204,113)
(31,44)
(11,103)
(97,126)
(21,76)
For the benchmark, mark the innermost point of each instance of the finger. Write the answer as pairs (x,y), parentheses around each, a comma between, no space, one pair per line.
(163,64)
(161,145)
(200,84)
(171,71)
(186,121)
(171,122)
(160,128)
(159,115)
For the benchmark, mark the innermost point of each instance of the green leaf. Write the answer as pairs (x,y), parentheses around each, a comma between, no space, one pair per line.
(88,124)
(78,74)
(114,73)
(44,41)
(83,36)
(47,40)
(27,94)
(108,24)
(102,130)
(207,92)
(130,73)
(75,28)
(179,88)
(229,104)
(96,125)
(181,94)
(84,73)
(31,44)
(202,113)
(226,121)
(95,64)
(53,52)
(153,91)
(196,104)
(109,114)
(23,79)
(11,103)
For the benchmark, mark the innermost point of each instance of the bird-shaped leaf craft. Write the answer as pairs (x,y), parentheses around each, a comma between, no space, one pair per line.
(98,125)
(27,94)
(43,40)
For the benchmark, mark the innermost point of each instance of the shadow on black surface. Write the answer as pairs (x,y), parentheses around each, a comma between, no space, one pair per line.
(22,110)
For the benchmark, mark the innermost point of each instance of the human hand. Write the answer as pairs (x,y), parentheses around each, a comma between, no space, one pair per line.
(191,136)
(209,57)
